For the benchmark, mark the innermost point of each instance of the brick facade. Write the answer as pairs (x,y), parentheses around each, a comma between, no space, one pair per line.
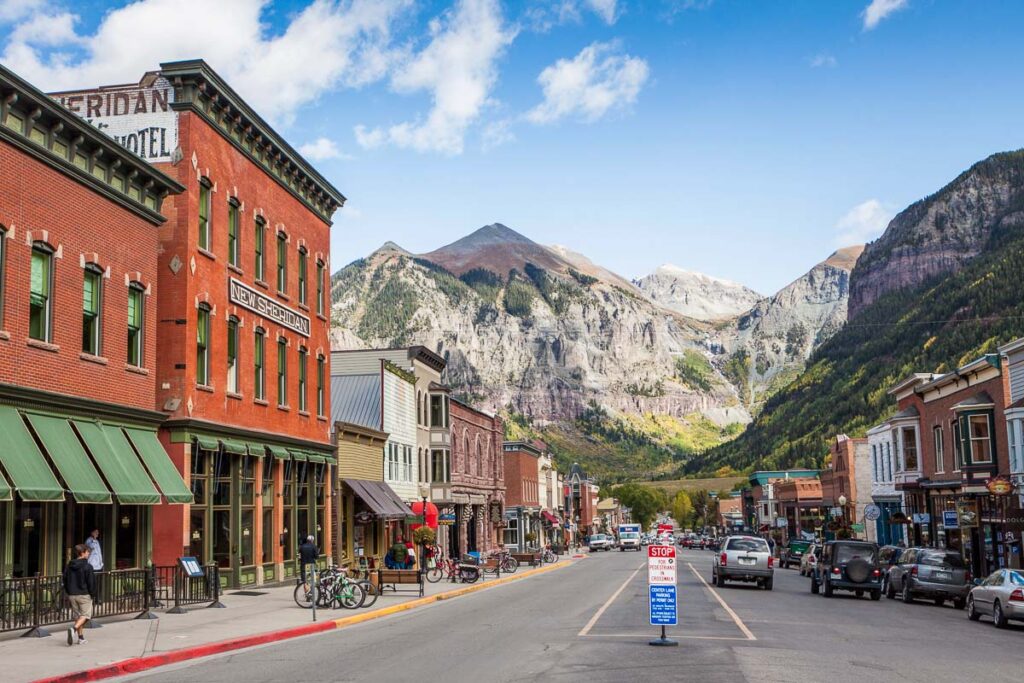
(478,472)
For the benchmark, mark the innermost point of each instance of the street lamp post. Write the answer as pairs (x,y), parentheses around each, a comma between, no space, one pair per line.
(424,494)
(842,506)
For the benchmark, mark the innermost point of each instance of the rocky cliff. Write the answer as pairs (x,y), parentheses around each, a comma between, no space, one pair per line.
(697,295)
(941,233)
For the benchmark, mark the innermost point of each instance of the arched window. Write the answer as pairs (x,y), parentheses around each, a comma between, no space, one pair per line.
(479,458)
(419,407)
(465,451)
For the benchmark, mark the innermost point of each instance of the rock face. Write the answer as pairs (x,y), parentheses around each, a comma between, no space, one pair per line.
(540,340)
(940,233)
(771,342)
(697,295)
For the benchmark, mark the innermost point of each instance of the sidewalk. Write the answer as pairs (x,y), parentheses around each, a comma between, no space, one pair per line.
(206,629)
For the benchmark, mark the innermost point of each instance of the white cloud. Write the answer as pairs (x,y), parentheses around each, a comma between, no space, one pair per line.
(589,85)
(823,59)
(496,133)
(606,9)
(322,149)
(863,223)
(47,29)
(459,70)
(544,17)
(879,10)
(325,45)
(12,10)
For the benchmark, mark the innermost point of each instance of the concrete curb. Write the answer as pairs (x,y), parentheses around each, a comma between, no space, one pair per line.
(139,664)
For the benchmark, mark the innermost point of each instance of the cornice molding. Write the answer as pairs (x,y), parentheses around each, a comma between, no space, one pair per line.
(26,397)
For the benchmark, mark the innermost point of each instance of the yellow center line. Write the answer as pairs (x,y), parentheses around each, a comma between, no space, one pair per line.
(593,619)
(735,617)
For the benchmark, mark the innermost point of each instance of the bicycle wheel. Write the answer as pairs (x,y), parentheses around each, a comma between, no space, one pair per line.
(434,574)
(510,565)
(351,596)
(371,593)
(303,598)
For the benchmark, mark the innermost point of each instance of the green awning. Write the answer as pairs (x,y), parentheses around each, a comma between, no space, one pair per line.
(279,452)
(208,444)
(313,457)
(297,455)
(159,464)
(70,458)
(119,464)
(257,450)
(5,489)
(235,447)
(25,465)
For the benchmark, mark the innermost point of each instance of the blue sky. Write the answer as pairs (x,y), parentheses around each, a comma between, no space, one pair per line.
(746,140)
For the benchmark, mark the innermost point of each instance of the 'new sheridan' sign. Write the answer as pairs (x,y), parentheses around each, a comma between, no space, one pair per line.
(244,295)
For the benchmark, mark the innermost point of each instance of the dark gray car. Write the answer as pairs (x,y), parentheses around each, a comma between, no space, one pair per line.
(932,573)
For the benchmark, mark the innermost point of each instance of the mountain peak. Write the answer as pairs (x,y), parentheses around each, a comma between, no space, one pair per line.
(697,295)
(497,248)
(495,233)
(390,247)
(845,258)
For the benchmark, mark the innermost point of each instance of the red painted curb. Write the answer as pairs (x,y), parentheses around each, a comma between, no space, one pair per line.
(137,664)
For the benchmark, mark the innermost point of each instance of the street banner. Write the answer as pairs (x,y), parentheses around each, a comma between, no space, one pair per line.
(663,605)
(661,565)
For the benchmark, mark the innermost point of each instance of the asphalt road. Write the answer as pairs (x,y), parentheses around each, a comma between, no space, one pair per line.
(565,626)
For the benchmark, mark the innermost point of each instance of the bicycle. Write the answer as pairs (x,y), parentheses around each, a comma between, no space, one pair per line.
(548,556)
(444,567)
(508,564)
(334,588)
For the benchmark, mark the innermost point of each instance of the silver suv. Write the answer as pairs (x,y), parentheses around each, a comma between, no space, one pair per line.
(931,573)
(744,558)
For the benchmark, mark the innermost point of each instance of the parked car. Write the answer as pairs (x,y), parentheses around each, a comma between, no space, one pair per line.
(810,559)
(600,542)
(793,552)
(848,565)
(933,573)
(1001,595)
(888,556)
(744,558)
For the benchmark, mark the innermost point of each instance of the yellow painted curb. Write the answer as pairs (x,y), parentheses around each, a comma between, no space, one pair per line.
(420,602)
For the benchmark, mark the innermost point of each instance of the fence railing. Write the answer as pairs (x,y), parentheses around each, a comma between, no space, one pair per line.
(31,604)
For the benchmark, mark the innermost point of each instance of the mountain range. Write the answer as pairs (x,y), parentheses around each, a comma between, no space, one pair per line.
(630,376)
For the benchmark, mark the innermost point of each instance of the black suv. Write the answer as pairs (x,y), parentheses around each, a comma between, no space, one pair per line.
(848,565)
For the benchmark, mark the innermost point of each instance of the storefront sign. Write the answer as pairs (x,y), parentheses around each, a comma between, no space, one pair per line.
(140,119)
(836,512)
(922,518)
(191,567)
(363,517)
(1000,486)
(967,513)
(262,305)
(872,512)
(950,519)
(446,519)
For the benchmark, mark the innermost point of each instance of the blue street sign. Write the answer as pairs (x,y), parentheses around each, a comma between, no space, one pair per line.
(663,605)
(950,519)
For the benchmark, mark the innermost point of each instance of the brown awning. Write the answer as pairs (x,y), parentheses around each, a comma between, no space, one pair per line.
(379,497)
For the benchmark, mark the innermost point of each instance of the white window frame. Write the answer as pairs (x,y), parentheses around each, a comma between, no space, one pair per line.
(988,438)
(940,449)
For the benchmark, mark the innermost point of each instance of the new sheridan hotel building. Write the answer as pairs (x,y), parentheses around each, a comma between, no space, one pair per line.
(215,248)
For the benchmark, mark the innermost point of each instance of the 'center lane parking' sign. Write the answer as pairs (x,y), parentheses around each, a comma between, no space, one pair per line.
(661,577)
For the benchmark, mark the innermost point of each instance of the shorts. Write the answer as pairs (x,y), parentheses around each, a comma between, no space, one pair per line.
(81,606)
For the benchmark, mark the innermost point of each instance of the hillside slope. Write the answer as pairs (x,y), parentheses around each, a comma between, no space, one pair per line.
(933,327)
(697,295)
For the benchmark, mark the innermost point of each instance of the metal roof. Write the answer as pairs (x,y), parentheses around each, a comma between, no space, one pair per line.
(356,399)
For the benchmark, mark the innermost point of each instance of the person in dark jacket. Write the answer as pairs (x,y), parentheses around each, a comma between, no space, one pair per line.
(80,589)
(308,553)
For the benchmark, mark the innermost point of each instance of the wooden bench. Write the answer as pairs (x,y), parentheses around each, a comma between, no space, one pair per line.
(394,578)
(490,567)
(531,559)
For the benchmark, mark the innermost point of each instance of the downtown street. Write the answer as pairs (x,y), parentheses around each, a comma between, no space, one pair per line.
(589,622)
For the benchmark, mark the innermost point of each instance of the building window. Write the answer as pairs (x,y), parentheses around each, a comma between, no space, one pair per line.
(233,211)
(320,267)
(282,262)
(303,355)
(958,447)
(419,408)
(282,372)
(3,253)
(261,233)
(441,467)
(233,355)
(438,411)
(874,461)
(1015,434)
(40,313)
(909,437)
(92,302)
(392,462)
(510,536)
(303,260)
(888,459)
(320,376)
(205,236)
(203,345)
(939,449)
(981,439)
(136,317)
(258,390)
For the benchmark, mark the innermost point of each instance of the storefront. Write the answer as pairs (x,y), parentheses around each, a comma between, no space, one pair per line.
(64,474)
(377,519)
(888,531)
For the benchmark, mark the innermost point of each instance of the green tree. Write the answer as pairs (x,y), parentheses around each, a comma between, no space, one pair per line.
(644,503)
(682,508)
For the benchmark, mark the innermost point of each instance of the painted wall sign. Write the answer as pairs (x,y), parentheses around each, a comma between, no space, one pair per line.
(138,117)
(262,305)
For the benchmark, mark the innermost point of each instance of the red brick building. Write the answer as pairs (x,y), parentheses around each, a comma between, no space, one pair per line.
(478,479)
(243,272)
(80,222)
(522,493)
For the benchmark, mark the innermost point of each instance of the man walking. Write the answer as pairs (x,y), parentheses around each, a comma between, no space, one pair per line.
(308,553)
(80,589)
(95,557)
